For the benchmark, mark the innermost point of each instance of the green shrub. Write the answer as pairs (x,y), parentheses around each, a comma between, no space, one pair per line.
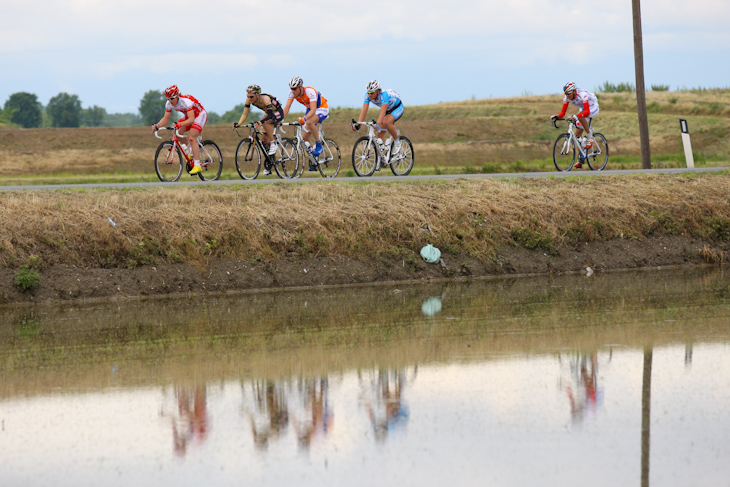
(27,279)
(659,87)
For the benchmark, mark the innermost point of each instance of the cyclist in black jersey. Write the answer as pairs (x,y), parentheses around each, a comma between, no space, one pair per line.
(273,110)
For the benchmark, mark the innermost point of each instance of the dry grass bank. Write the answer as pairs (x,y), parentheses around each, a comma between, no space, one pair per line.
(472,217)
(490,135)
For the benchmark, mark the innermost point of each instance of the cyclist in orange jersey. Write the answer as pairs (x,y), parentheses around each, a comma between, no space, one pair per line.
(193,123)
(317,111)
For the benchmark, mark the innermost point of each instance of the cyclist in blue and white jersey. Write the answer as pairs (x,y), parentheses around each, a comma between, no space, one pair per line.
(391,109)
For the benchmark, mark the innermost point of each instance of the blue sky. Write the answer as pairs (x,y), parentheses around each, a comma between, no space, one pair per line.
(110,53)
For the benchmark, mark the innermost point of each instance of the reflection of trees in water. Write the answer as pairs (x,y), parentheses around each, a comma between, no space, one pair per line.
(584,393)
(190,425)
(312,415)
(382,394)
(265,404)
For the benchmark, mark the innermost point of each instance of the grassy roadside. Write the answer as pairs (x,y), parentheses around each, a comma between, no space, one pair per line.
(475,136)
(364,220)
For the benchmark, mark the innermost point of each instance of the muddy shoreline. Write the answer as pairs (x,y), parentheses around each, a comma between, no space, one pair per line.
(67,283)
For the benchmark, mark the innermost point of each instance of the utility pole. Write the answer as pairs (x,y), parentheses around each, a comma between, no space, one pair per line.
(640,88)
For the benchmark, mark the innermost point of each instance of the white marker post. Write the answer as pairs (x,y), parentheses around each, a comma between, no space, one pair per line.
(687,144)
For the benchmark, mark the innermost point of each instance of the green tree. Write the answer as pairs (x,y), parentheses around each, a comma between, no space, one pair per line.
(234,115)
(24,109)
(94,116)
(152,107)
(64,110)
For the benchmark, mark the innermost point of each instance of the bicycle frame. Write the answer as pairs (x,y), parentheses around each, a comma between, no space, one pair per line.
(300,139)
(175,138)
(254,136)
(583,153)
(372,135)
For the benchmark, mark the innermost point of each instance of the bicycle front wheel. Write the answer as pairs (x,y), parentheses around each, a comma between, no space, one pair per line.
(364,157)
(402,162)
(248,159)
(598,154)
(211,161)
(329,160)
(168,162)
(287,162)
(564,153)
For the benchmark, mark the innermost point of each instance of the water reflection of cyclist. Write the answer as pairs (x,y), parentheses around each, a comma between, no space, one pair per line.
(191,425)
(314,416)
(385,405)
(585,396)
(270,416)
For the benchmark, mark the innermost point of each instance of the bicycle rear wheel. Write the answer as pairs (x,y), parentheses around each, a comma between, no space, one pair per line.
(211,160)
(402,162)
(364,157)
(168,162)
(597,156)
(287,159)
(564,153)
(329,161)
(248,159)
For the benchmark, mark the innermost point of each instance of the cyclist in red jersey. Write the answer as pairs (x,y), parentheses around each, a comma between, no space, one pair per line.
(587,103)
(193,123)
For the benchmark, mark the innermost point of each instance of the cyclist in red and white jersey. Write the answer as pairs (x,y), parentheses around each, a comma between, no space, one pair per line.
(192,123)
(588,105)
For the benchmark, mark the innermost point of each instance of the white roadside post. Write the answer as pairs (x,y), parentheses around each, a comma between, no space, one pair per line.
(686,143)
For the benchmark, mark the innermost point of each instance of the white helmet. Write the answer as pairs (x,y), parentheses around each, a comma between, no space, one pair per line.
(568,87)
(373,86)
(295,81)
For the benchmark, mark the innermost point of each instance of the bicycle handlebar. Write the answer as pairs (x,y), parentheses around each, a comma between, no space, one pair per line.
(167,128)
(556,120)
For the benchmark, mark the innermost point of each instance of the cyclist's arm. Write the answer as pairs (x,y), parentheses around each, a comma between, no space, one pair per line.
(287,107)
(381,117)
(312,110)
(586,110)
(163,121)
(189,120)
(565,109)
(244,115)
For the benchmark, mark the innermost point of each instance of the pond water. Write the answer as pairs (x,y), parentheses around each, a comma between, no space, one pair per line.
(613,379)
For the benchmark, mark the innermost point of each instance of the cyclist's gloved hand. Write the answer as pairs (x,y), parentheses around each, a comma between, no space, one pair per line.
(177,125)
(575,119)
(553,118)
(235,125)
(300,120)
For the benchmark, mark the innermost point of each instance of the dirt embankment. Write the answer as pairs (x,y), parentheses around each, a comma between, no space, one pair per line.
(211,238)
(64,282)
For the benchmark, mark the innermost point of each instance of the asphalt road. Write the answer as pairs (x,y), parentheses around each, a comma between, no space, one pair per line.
(197,182)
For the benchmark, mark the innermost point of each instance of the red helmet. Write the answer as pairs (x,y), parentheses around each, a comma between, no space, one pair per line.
(172,92)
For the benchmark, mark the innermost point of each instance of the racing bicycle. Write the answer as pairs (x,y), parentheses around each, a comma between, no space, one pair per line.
(249,158)
(567,144)
(172,153)
(327,163)
(368,156)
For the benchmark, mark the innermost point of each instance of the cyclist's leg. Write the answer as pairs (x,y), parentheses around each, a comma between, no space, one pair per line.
(309,126)
(195,130)
(321,115)
(391,118)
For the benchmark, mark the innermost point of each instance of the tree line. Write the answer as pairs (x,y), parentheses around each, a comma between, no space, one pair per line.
(23,109)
